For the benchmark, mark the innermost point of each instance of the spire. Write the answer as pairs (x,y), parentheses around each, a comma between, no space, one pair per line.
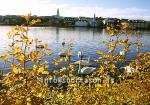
(94,17)
(58,12)
(94,20)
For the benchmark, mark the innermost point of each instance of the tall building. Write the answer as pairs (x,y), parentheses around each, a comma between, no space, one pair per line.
(94,19)
(57,16)
(93,22)
(58,12)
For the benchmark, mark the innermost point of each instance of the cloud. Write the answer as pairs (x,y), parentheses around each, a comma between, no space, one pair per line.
(133,13)
(48,7)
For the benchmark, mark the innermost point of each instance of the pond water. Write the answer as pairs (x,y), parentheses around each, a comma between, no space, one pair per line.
(85,39)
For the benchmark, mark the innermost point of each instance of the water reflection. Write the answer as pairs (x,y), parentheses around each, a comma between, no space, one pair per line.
(87,39)
(57,34)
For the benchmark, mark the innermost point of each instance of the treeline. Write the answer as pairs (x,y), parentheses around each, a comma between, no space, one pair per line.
(47,20)
(59,21)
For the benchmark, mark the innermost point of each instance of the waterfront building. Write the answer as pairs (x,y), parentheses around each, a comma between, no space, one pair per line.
(86,21)
(70,21)
(138,24)
(148,24)
(124,20)
(111,21)
(82,22)
(6,20)
(1,19)
(135,24)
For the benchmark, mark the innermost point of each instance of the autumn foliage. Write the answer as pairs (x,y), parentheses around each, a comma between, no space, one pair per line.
(24,85)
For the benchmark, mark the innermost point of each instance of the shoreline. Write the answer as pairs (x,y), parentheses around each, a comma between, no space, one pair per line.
(75,27)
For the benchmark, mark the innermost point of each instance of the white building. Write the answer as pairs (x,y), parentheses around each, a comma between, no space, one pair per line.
(110,21)
(82,23)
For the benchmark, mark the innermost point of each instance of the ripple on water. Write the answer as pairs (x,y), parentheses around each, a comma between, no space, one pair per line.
(85,39)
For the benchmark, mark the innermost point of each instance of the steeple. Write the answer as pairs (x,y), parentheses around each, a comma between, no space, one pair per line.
(94,17)
(58,12)
(94,21)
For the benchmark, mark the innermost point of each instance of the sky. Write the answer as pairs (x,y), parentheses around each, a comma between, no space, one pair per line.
(132,9)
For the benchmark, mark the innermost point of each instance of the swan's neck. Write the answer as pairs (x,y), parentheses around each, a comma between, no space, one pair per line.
(79,67)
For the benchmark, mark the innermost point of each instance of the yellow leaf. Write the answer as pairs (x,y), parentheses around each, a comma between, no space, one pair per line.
(40,95)
(16,70)
(22,57)
(41,69)
(64,76)
(63,69)
(4,58)
(28,101)
(17,50)
(61,96)
(27,17)
(6,53)
(29,48)
(28,42)
(46,47)
(34,67)
(45,72)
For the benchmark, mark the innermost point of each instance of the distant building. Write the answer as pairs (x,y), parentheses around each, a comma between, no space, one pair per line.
(124,20)
(57,16)
(148,24)
(85,21)
(138,24)
(111,21)
(82,22)
(99,21)
(58,12)
(135,24)
(93,22)
(1,19)
(70,21)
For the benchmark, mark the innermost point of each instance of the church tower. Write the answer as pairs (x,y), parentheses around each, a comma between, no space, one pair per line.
(94,19)
(94,23)
(58,12)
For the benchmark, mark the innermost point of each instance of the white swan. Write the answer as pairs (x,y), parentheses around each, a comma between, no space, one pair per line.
(63,53)
(80,54)
(128,69)
(86,70)
(122,52)
(83,62)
